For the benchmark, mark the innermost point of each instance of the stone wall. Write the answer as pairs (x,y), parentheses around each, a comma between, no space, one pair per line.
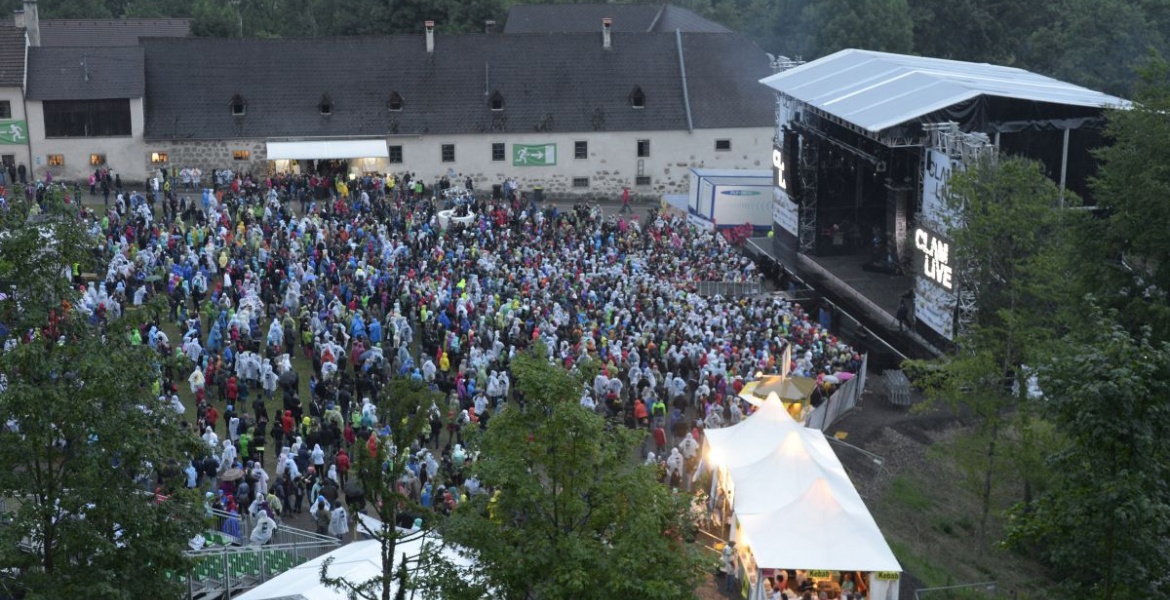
(207,155)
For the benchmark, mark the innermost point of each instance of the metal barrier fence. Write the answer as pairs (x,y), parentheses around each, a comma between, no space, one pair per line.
(897,387)
(841,402)
(730,288)
(228,563)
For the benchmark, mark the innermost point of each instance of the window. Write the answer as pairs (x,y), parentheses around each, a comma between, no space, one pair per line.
(97,160)
(158,157)
(642,180)
(325,105)
(722,145)
(5,109)
(643,148)
(395,102)
(581,149)
(580,182)
(498,151)
(448,152)
(56,160)
(87,118)
(241,155)
(396,154)
(238,106)
(496,101)
(637,98)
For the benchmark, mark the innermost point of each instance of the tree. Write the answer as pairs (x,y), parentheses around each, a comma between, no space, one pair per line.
(1009,231)
(86,440)
(1124,259)
(404,405)
(1095,43)
(214,18)
(1104,522)
(572,515)
(883,25)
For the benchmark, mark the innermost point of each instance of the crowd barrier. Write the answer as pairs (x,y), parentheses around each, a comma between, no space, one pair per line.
(841,401)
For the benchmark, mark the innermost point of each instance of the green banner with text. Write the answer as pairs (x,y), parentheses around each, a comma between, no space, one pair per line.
(13,132)
(539,155)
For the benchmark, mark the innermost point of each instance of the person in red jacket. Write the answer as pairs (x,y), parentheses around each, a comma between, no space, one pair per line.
(233,390)
(287,424)
(641,414)
(342,466)
(212,416)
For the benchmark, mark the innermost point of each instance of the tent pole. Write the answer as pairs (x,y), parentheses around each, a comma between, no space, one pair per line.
(1064,166)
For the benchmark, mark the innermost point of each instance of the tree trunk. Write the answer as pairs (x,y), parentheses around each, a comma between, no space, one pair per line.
(986,508)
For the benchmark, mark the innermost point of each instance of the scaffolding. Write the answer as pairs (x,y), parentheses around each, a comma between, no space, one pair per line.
(964,148)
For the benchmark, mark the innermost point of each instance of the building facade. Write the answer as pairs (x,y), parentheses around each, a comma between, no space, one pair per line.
(574,112)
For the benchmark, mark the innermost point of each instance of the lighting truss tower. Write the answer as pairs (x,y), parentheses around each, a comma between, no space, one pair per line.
(966,149)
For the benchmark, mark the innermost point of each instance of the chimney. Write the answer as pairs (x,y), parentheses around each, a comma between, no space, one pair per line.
(489,26)
(18,18)
(430,25)
(32,23)
(606,24)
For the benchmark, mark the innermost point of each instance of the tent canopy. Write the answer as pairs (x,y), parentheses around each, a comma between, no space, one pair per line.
(328,149)
(787,389)
(752,438)
(784,474)
(356,562)
(879,90)
(817,530)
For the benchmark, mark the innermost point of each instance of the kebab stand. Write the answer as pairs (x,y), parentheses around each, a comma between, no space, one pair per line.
(789,504)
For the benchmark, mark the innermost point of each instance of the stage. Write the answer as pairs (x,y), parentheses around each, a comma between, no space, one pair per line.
(868,299)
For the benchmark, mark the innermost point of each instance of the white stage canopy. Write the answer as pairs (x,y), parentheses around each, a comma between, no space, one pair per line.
(328,149)
(878,90)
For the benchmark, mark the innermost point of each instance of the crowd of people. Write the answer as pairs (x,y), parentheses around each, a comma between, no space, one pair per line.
(359,281)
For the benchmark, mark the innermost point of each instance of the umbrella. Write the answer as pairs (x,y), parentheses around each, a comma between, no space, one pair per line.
(833,379)
(843,376)
(232,474)
(289,378)
(787,389)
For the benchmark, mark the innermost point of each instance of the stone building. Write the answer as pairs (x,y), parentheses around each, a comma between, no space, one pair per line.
(575,111)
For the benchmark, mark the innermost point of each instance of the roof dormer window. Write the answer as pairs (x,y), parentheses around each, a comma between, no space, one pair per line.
(239,108)
(395,102)
(496,101)
(637,98)
(325,105)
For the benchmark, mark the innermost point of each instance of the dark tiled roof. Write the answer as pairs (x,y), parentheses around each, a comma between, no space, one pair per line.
(674,17)
(723,73)
(549,82)
(85,73)
(11,56)
(582,18)
(109,32)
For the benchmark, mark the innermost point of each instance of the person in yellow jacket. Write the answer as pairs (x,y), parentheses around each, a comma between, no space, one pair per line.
(444,363)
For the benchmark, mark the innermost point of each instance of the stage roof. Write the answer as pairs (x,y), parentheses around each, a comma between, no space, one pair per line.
(878,90)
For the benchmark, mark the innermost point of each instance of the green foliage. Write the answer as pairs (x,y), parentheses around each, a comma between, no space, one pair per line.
(1125,255)
(883,25)
(572,515)
(403,405)
(92,440)
(1103,523)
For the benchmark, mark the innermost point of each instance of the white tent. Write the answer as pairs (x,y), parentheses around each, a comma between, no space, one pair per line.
(818,531)
(752,438)
(787,472)
(356,562)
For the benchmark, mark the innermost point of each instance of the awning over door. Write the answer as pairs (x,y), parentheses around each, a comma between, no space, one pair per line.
(323,149)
